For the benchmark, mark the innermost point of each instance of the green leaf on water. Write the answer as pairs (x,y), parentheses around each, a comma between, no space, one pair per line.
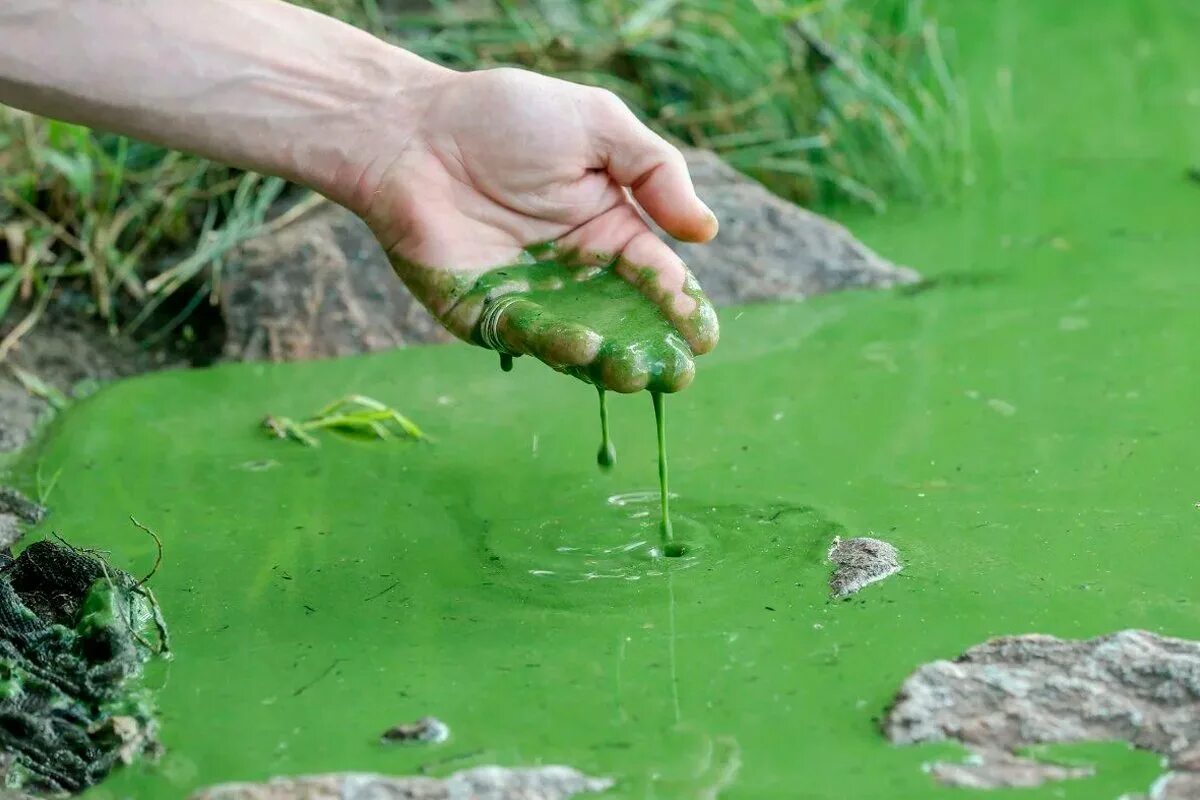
(355,415)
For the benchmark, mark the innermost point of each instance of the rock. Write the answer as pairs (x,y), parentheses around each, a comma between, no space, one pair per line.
(860,562)
(66,351)
(770,249)
(1018,691)
(11,530)
(480,783)
(20,506)
(318,287)
(1176,786)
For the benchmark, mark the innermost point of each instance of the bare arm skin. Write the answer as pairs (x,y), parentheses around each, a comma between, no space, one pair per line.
(456,172)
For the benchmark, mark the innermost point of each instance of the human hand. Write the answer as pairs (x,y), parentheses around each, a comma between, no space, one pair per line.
(502,161)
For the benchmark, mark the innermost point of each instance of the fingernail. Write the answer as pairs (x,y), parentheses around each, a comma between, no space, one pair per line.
(714,224)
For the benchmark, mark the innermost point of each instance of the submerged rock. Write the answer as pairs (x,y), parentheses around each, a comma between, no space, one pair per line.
(74,635)
(1017,691)
(860,562)
(480,783)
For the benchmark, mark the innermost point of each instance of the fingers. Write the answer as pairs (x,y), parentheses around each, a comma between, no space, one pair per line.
(650,265)
(527,328)
(664,367)
(661,276)
(653,169)
(520,326)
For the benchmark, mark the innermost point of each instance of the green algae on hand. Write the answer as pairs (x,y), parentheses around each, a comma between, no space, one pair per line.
(594,315)
(588,322)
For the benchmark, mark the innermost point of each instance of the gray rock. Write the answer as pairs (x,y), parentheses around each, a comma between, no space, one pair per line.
(480,783)
(770,249)
(20,506)
(65,351)
(1176,786)
(11,530)
(318,287)
(860,562)
(1018,691)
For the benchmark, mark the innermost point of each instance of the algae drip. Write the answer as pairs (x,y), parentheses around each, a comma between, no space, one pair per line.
(628,343)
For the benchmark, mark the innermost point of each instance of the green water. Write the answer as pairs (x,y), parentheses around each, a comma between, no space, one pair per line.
(1024,430)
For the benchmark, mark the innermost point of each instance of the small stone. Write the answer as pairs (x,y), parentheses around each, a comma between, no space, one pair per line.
(860,562)
(11,530)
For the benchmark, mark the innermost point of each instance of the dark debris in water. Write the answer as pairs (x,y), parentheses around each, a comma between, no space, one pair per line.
(75,633)
(427,730)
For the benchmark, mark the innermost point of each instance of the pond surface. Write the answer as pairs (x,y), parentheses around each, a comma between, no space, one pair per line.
(1024,430)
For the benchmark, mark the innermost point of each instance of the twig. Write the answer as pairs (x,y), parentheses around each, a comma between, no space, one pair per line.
(158,557)
(381,594)
(319,678)
(25,325)
(294,213)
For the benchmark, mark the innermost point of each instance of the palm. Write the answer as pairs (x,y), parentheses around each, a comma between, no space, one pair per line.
(512,160)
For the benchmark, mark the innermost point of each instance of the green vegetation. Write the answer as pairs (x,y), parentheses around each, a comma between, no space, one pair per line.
(824,101)
(840,99)
(354,415)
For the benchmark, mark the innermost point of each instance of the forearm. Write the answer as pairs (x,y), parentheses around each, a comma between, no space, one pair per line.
(260,84)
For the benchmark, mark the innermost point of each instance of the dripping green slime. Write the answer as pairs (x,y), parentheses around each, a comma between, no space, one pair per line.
(636,341)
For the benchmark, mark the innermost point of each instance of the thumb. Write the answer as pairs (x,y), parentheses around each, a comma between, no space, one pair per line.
(653,169)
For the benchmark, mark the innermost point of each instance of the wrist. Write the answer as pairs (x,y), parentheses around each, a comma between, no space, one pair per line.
(378,122)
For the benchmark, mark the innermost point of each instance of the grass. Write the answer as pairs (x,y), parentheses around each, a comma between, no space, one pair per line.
(826,102)
(355,415)
(120,219)
(823,101)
